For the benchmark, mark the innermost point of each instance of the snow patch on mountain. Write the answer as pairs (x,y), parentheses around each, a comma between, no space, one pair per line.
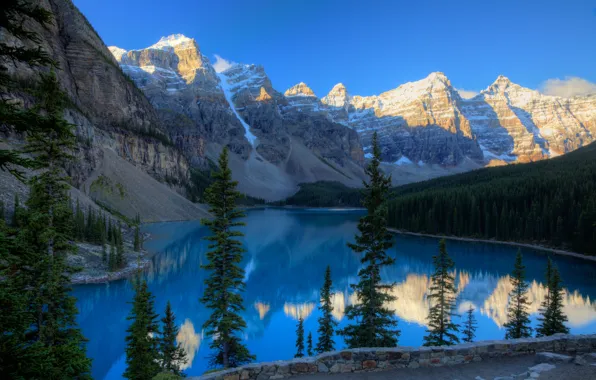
(228,95)
(169,42)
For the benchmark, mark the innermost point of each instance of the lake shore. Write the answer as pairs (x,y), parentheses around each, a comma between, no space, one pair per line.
(525,245)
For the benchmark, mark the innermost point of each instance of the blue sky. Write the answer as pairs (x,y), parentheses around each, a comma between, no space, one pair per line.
(372,46)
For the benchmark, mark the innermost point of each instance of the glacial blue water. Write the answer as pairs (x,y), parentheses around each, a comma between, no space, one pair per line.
(287,253)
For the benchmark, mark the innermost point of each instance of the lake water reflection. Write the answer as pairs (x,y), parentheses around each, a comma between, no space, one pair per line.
(287,253)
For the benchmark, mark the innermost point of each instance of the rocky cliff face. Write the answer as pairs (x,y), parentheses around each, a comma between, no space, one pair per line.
(113,118)
(107,108)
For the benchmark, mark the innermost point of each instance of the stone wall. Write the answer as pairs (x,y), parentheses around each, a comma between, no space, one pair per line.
(378,359)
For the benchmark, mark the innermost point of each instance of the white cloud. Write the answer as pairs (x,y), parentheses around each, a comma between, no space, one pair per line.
(221,64)
(568,87)
(466,94)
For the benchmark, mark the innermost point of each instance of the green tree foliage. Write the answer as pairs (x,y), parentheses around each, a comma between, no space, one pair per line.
(540,330)
(551,202)
(518,324)
(326,322)
(142,355)
(137,241)
(469,326)
(299,338)
(52,346)
(17,213)
(309,351)
(13,15)
(225,280)
(172,355)
(442,331)
(553,319)
(376,325)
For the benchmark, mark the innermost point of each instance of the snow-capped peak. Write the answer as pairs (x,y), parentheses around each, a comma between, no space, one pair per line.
(171,41)
(301,89)
(117,52)
(337,97)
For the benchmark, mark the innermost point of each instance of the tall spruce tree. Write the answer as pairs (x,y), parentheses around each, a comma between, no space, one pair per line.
(469,326)
(326,322)
(309,344)
(142,355)
(442,331)
(49,234)
(225,280)
(541,330)
(553,318)
(172,355)
(376,323)
(518,325)
(299,338)
(40,338)
(137,241)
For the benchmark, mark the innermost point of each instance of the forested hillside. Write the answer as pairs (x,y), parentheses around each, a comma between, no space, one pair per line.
(324,194)
(551,202)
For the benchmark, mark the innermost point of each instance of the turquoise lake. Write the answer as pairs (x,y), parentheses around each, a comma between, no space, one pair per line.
(287,253)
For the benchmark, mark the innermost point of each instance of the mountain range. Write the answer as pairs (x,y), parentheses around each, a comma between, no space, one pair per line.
(424,125)
(151,116)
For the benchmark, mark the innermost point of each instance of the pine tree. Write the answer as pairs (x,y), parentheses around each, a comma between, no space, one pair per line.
(309,344)
(112,259)
(142,355)
(377,325)
(442,331)
(326,321)
(518,325)
(299,338)
(172,355)
(48,233)
(225,281)
(553,319)
(17,211)
(137,241)
(470,326)
(542,329)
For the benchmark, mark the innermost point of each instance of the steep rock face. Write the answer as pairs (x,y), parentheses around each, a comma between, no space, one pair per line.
(105,104)
(257,102)
(185,89)
(306,117)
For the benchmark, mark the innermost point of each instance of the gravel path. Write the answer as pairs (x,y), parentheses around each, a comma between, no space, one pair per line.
(488,369)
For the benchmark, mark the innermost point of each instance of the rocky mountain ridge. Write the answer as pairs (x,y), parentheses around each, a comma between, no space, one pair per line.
(426,128)
(428,122)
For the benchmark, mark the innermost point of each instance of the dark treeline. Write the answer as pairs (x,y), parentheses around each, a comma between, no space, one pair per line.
(551,202)
(324,194)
